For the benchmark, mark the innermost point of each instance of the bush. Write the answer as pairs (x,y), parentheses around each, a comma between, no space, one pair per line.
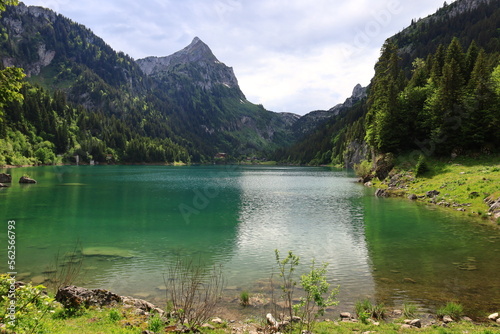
(193,291)
(363,169)
(31,305)
(318,295)
(156,324)
(421,168)
(454,310)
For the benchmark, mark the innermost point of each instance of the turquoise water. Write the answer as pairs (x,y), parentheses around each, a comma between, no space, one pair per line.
(388,250)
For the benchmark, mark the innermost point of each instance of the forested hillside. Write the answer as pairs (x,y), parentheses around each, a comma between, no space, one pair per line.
(435,91)
(81,97)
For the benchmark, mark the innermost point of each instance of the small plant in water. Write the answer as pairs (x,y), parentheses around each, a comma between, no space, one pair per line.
(245,298)
(374,311)
(409,310)
(454,310)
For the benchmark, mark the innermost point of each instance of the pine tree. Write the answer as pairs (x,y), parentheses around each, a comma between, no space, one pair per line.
(384,123)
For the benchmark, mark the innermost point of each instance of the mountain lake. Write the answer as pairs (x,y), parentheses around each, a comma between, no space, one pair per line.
(131,223)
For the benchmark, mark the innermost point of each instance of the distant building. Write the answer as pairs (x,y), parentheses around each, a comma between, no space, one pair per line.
(221,156)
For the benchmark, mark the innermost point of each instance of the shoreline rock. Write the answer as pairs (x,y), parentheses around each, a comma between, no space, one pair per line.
(5,178)
(27,180)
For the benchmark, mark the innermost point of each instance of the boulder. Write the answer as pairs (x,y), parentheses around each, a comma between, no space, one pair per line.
(447,319)
(3,185)
(345,315)
(141,305)
(416,323)
(432,193)
(25,179)
(493,316)
(75,297)
(5,178)
(381,193)
(413,197)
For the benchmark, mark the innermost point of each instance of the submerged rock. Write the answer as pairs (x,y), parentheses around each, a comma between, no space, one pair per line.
(5,178)
(107,252)
(3,185)
(25,179)
(381,193)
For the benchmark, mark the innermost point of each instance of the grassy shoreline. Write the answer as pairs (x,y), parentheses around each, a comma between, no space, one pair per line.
(42,314)
(462,184)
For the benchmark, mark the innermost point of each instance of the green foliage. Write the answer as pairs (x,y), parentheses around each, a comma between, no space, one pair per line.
(318,295)
(156,324)
(286,268)
(363,169)
(452,309)
(10,84)
(421,168)
(366,307)
(25,307)
(245,298)
(114,315)
(409,310)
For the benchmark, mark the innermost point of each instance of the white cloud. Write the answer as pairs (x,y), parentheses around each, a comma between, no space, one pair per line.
(289,55)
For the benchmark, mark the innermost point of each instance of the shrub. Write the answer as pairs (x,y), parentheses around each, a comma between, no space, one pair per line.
(286,269)
(193,291)
(114,315)
(454,310)
(155,324)
(30,305)
(318,295)
(363,169)
(421,168)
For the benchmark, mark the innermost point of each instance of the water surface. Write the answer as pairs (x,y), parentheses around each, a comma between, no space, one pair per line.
(388,250)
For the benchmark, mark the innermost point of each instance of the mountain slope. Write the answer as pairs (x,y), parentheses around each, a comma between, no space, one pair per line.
(213,105)
(428,75)
(189,98)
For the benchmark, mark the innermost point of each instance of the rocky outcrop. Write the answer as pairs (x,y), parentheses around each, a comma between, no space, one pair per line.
(5,178)
(355,153)
(312,120)
(26,180)
(381,193)
(212,71)
(18,29)
(76,297)
(358,93)
(494,206)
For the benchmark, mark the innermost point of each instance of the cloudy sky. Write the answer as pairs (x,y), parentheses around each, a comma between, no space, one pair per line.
(289,55)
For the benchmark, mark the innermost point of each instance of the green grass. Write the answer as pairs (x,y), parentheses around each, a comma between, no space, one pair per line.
(465,181)
(454,310)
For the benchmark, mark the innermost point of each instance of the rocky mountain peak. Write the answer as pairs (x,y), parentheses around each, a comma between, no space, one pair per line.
(196,54)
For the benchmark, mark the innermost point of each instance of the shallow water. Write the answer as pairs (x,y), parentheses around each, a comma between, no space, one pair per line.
(388,250)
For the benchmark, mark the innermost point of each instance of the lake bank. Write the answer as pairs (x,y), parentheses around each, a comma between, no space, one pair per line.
(466,185)
(90,311)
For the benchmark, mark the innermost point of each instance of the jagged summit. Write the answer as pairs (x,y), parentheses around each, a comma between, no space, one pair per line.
(197,54)
(196,51)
